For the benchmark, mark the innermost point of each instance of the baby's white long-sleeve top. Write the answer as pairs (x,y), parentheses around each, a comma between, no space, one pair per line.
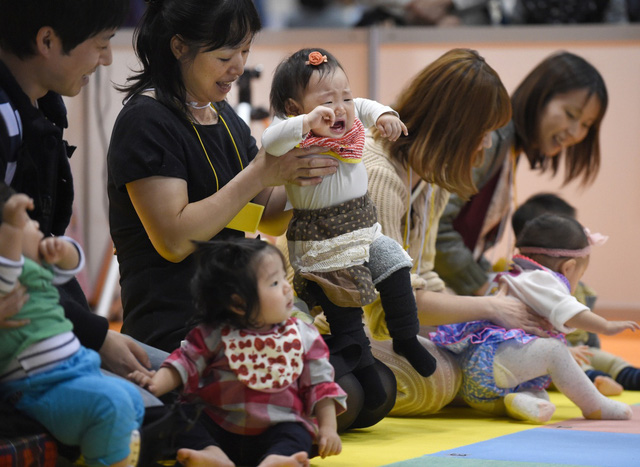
(547,295)
(350,180)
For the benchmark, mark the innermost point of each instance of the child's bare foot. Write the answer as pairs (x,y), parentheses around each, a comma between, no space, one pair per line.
(608,386)
(211,456)
(296,460)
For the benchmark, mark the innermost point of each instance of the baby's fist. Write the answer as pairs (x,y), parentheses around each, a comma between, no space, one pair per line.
(15,210)
(391,127)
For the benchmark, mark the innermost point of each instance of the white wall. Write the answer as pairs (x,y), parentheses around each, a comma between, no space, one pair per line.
(379,63)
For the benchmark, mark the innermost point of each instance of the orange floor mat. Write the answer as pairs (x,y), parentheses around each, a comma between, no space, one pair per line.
(625,345)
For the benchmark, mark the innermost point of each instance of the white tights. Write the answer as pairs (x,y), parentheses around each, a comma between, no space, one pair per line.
(516,363)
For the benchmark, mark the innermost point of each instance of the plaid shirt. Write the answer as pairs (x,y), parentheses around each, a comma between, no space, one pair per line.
(208,378)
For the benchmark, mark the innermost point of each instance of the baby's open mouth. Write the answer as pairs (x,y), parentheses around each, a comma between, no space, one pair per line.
(338,126)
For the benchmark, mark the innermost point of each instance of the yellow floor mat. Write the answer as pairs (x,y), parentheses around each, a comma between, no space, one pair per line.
(397,439)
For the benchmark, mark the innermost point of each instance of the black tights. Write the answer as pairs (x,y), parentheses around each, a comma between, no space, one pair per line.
(357,414)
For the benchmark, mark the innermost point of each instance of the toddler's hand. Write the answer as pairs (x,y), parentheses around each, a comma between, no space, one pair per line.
(616,327)
(391,127)
(142,380)
(320,117)
(15,210)
(54,249)
(581,353)
(329,443)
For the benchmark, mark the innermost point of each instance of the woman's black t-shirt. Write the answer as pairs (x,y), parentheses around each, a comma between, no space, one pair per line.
(149,140)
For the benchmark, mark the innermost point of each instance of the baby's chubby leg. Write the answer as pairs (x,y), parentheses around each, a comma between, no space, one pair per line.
(516,363)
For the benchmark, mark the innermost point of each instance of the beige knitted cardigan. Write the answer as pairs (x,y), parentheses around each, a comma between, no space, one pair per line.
(389,190)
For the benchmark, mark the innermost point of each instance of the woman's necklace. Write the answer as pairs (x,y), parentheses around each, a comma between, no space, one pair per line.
(215,174)
(194,105)
(428,216)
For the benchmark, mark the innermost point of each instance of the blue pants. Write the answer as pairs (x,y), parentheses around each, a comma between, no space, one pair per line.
(81,406)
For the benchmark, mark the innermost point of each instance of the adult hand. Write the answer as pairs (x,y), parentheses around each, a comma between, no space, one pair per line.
(511,313)
(121,355)
(294,167)
(581,354)
(10,305)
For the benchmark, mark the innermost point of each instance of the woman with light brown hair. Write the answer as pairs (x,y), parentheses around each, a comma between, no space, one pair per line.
(450,109)
(557,112)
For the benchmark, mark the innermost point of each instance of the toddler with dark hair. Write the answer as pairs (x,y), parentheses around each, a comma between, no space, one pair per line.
(507,371)
(263,375)
(610,373)
(338,252)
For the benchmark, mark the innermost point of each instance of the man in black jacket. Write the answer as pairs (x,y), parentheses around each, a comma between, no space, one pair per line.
(47,50)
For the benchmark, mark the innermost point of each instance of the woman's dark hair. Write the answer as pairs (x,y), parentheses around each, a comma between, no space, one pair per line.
(560,73)
(74,21)
(226,277)
(292,76)
(203,25)
(448,108)
(536,205)
(554,232)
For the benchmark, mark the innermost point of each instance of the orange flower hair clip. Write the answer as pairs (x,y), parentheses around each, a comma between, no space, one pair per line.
(316,58)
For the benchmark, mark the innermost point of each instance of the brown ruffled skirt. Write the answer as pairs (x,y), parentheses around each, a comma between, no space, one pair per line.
(344,278)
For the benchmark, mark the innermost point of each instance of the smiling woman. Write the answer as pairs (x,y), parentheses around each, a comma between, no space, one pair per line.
(566,120)
(557,112)
(209,74)
(181,163)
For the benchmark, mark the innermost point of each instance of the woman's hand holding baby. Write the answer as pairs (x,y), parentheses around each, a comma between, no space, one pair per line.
(581,354)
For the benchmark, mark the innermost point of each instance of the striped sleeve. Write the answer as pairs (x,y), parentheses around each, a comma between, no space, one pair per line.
(9,273)
(62,276)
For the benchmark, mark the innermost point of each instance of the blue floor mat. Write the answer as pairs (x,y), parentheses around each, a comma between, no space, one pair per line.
(540,446)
